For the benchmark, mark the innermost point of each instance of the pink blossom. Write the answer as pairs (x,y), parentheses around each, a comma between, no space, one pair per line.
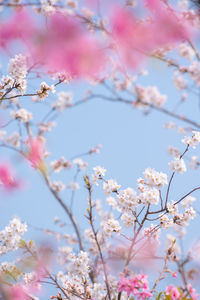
(57,296)
(192,291)
(137,285)
(6,177)
(173,292)
(125,285)
(145,258)
(174,274)
(136,38)
(17,26)
(70,48)
(172,27)
(36,152)
(128,36)
(20,291)
(17,292)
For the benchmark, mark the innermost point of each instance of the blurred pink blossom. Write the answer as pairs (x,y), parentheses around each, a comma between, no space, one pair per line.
(7,179)
(172,27)
(17,26)
(21,291)
(17,292)
(70,48)
(36,151)
(192,291)
(136,37)
(143,259)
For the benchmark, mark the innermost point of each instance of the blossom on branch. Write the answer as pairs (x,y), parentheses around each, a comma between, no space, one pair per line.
(36,153)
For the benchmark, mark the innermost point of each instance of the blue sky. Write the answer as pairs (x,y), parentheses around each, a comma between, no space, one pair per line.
(131,142)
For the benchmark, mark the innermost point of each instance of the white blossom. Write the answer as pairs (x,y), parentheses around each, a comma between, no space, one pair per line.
(96,149)
(11,235)
(182,130)
(22,115)
(189,214)
(48,7)
(71,283)
(162,51)
(111,201)
(32,278)
(127,199)
(180,230)
(79,265)
(17,69)
(149,195)
(128,219)
(60,164)
(2,135)
(99,172)
(14,139)
(109,226)
(151,232)
(150,95)
(185,50)
(170,125)
(9,267)
(173,151)
(165,222)
(186,217)
(172,208)
(194,70)
(80,163)
(188,201)
(110,186)
(46,127)
(154,178)
(178,165)
(98,291)
(73,185)
(44,90)
(89,236)
(64,254)
(57,186)
(194,163)
(179,81)
(64,101)
(192,141)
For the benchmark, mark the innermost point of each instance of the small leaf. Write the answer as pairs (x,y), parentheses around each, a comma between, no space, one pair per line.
(22,244)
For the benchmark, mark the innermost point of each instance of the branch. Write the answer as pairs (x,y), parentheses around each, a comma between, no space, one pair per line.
(90,217)
(67,210)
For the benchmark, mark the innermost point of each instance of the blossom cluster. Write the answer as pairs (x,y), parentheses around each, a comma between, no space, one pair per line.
(137,285)
(10,237)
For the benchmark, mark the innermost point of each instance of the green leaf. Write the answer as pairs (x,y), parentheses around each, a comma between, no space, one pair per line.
(22,244)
